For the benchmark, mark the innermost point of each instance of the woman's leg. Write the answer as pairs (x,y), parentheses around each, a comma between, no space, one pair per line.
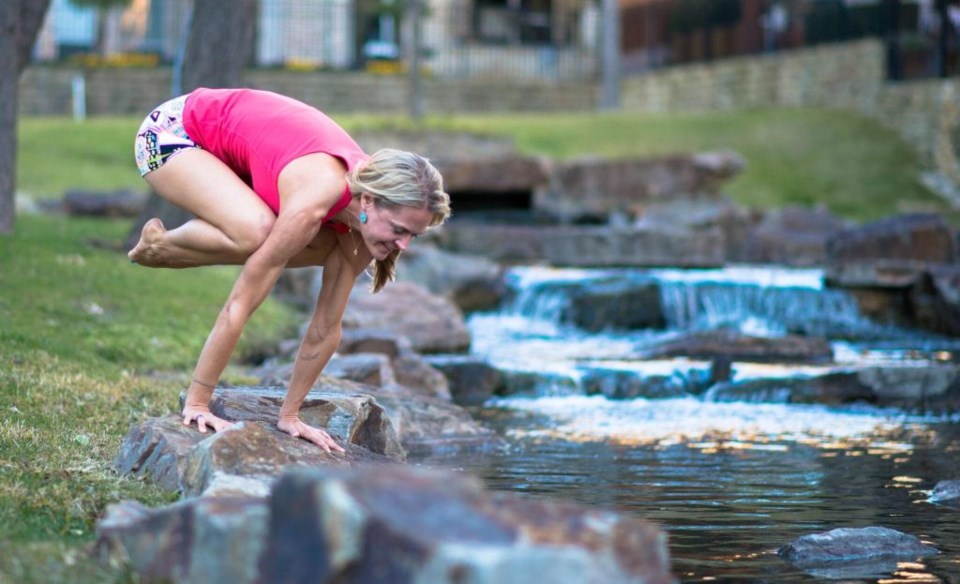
(231,220)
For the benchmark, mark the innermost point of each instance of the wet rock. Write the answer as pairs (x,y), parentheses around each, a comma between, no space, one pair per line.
(853,544)
(387,524)
(833,388)
(619,305)
(433,324)
(936,303)
(615,384)
(429,426)
(946,492)
(472,380)
(738,347)
(909,384)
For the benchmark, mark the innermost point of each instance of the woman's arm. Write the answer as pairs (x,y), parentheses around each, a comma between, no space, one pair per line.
(294,228)
(319,344)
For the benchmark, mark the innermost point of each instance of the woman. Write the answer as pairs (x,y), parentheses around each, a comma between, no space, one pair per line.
(274,183)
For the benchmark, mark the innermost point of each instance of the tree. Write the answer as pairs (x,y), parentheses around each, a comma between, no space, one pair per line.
(102,6)
(219,46)
(20,21)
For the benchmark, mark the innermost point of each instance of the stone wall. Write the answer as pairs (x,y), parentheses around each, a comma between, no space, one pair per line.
(844,76)
(46,90)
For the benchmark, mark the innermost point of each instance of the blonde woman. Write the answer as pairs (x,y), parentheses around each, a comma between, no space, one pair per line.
(274,183)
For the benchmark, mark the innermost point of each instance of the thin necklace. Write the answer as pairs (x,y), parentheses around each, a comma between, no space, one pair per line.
(356,246)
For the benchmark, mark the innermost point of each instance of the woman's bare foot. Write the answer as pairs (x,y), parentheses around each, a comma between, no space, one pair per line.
(147,252)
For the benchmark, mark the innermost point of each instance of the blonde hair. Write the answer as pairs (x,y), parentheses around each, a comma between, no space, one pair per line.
(393,178)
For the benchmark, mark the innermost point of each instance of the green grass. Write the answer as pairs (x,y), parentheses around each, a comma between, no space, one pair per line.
(847,163)
(90,343)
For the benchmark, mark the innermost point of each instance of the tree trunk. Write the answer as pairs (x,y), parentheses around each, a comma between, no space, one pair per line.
(219,44)
(219,47)
(20,22)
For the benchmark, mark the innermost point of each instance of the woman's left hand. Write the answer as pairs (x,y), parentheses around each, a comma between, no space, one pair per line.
(293,426)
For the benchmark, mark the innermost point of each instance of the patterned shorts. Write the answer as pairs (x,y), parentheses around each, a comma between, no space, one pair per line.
(161,135)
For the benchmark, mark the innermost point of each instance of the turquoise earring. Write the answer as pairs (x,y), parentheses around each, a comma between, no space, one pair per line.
(363,217)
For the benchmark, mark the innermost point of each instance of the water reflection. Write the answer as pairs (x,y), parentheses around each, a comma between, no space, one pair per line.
(729,497)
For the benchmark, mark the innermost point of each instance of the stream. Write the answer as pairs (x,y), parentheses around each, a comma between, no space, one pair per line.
(729,481)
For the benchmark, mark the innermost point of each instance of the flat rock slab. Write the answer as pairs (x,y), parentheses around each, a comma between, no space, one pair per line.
(388,523)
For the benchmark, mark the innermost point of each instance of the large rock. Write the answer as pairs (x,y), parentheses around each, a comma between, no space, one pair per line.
(383,524)
(432,323)
(600,187)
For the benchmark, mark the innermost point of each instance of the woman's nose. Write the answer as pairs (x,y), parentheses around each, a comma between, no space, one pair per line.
(403,242)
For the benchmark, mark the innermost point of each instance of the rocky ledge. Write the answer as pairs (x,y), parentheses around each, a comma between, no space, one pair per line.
(258,505)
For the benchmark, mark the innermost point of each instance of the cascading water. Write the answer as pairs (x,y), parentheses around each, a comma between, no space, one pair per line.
(596,421)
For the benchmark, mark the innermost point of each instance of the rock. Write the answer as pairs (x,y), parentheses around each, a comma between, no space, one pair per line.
(738,347)
(472,282)
(387,523)
(409,525)
(918,237)
(832,388)
(615,384)
(121,203)
(246,460)
(909,384)
(243,460)
(852,544)
(215,540)
(792,236)
(468,179)
(598,187)
(341,408)
(434,427)
(618,305)
(433,324)
(946,492)
(407,367)
(472,380)
(426,423)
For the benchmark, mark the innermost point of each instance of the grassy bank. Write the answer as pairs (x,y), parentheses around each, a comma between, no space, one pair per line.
(90,344)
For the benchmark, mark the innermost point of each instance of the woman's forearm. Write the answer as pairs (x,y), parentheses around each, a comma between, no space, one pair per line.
(314,354)
(214,358)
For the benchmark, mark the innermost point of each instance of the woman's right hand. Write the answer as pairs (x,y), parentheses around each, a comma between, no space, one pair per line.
(204,419)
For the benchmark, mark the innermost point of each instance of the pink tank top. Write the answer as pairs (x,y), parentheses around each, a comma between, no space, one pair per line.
(257,133)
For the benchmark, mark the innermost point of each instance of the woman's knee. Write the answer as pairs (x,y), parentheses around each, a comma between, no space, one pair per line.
(250,235)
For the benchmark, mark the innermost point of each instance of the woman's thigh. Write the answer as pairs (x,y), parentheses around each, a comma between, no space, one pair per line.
(197,181)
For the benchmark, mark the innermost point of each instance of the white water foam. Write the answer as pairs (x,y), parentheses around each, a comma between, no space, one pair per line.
(688,420)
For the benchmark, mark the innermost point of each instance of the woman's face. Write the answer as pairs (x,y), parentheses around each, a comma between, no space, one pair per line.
(390,228)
